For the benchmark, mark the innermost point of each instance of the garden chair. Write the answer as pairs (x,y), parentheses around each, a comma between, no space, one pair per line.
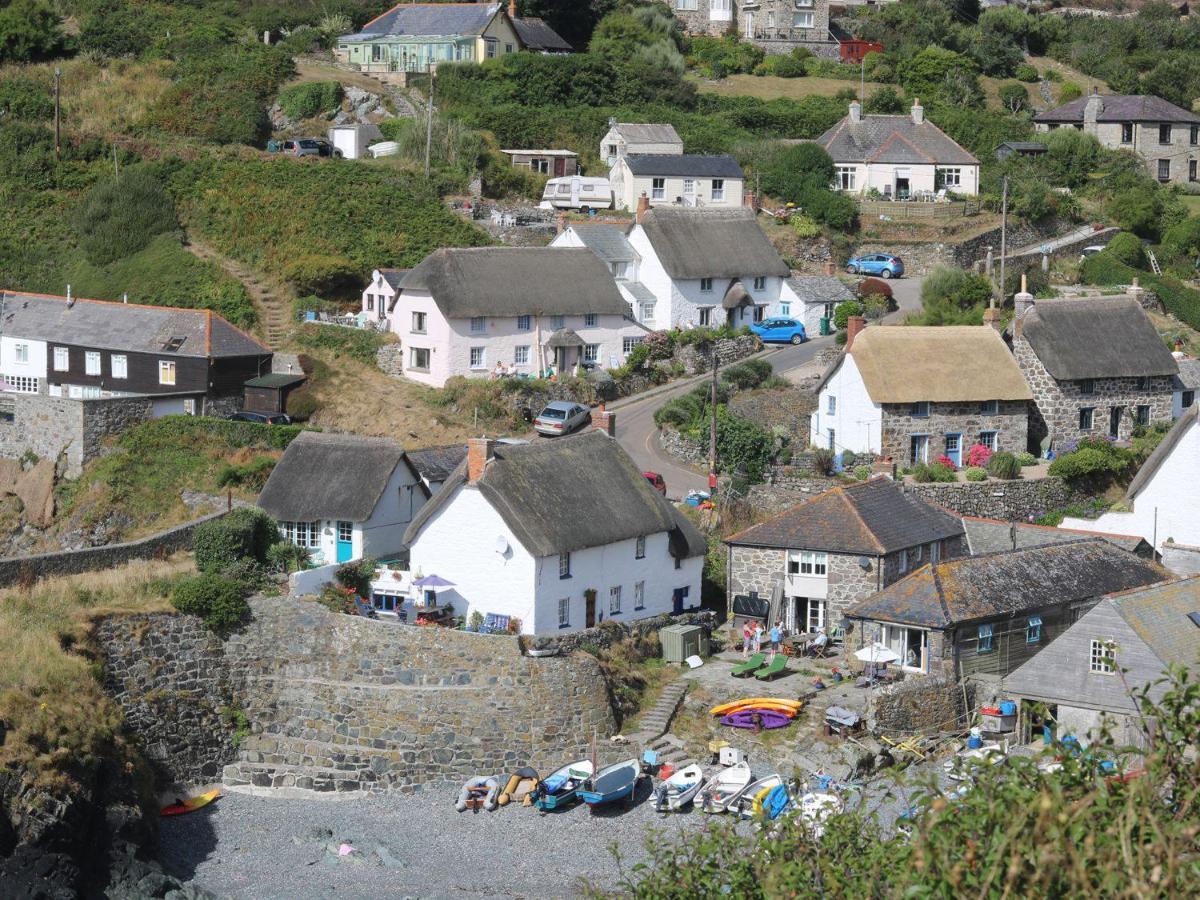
(754,662)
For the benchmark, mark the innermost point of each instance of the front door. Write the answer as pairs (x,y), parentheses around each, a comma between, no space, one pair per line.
(1114,422)
(677,599)
(345,541)
(589,618)
(954,449)
(560,167)
(902,189)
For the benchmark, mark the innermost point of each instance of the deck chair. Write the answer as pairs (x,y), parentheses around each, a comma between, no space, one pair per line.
(775,667)
(746,668)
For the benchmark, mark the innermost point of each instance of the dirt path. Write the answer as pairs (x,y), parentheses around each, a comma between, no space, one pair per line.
(272,301)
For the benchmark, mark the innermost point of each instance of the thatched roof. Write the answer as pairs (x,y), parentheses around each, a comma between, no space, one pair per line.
(712,243)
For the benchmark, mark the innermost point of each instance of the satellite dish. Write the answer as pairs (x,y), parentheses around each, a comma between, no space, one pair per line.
(864,563)
(501,544)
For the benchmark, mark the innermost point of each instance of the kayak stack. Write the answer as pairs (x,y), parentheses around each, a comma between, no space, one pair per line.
(758,712)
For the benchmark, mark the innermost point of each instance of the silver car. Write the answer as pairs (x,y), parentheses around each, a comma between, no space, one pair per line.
(561,417)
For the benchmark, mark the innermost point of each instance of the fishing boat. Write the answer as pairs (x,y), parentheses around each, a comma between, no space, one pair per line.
(674,794)
(191,804)
(724,788)
(756,718)
(519,786)
(561,789)
(478,793)
(751,801)
(616,782)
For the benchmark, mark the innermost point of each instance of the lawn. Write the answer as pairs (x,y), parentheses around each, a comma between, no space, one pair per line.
(1192,202)
(768,87)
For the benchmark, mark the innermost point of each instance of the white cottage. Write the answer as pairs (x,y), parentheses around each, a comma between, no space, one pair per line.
(611,244)
(629,137)
(379,296)
(343,496)
(672,180)
(560,534)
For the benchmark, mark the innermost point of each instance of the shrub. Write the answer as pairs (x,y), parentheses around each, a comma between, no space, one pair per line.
(120,215)
(356,576)
(925,473)
(29,30)
(783,66)
(357,343)
(659,344)
(862,473)
(976,473)
(284,556)
(253,474)
(304,101)
(302,404)
(978,455)
(1004,465)
(215,599)
(1026,459)
(946,461)
(822,459)
(1127,250)
(1027,73)
(1094,462)
(1069,91)
(844,310)
(804,226)
(1014,96)
(24,99)
(748,374)
(244,532)
(717,57)
(848,459)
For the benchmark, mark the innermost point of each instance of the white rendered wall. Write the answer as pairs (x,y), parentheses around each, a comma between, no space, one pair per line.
(35,367)
(857,421)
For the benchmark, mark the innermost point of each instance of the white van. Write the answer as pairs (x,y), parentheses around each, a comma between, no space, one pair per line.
(577,192)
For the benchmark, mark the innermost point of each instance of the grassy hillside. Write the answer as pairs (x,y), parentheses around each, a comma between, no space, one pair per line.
(769,87)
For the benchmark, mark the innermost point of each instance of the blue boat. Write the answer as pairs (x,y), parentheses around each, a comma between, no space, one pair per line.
(561,789)
(616,782)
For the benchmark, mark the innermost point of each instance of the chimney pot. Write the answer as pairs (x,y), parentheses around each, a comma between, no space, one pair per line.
(605,421)
(479,452)
(854,325)
(855,112)
(643,205)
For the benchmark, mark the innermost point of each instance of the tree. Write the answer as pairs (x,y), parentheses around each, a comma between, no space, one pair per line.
(884,101)
(1071,156)
(795,169)
(1013,96)
(1183,239)
(575,20)
(937,73)
(1138,209)
(120,216)
(954,297)
(28,31)
(1127,250)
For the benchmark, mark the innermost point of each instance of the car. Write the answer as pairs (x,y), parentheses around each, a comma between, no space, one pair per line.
(561,417)
(244,415)
(884,265)
(780,329)
(1090,251)
(310,147)
(656,482)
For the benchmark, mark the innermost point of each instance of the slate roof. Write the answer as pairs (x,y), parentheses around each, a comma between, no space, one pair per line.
(416,19)
(995,536)
(893,139)
(1159,615)
(871,518)
(683,165)
(711,243)
(911,363)
(1096,337)
(330,476)
(646,133)
(516,281)
(976,588)
(817,289)
(1189,374)
(638,291)
(609,242)
(276,380)
(436,463)
(1165,448)
(1121,108)
(569,494)
(134,327)
(535,34)
(395,277)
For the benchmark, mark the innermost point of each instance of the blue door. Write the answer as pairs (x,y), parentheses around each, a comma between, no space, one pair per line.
(345,541)
(954,449)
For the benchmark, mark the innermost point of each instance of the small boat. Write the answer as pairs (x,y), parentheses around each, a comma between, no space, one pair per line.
(777,802)
(781,703)
(191,804)
(679,790)
(751,801)
(967,764)
(562,788)
(817,806)
(724,788)
(760,718)
(519,787)
(479,793)
(616,782)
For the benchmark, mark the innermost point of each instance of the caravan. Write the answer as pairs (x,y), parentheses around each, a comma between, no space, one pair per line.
(577,192)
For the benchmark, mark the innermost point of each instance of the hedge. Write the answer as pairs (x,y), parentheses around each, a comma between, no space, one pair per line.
(215,599)
(220,543)
(1180,301)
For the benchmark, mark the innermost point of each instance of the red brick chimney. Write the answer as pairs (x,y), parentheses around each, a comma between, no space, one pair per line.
(603,420)
(479,452)
(642,207)
(854,324)
(512,9)
(829,267)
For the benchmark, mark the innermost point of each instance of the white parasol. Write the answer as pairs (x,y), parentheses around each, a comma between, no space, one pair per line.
(878,653)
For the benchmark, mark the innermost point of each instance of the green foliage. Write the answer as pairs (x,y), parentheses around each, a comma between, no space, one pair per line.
(953,297)
(975,473)
(357,343)
(717,57)
(215,599)
(784,65)
(884,101)
(1138,210)
(252,475)
(1183,239)
(1071,156)
(24,99)
(1147,438)
(1181,301)
(310,99)
(924,473)
(939,74)
(1026,459)
(284,557)
(844,310)
(743,448)
(1013,96)
(356,576)
(748,374)
(1127,250)
(803,226)
(1004,465)
(28,31)
(120,216)
(1026,73)
(1069,91)
(244,532)
(862,473)
(1094,463)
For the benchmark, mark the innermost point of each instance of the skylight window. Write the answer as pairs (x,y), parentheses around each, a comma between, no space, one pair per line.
(173,344)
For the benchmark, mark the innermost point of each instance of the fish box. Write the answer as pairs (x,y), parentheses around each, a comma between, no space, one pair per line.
(998,723)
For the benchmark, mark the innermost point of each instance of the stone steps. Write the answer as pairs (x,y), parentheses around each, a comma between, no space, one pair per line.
(655,722)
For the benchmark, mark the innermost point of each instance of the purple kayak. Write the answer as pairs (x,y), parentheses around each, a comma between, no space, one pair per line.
(744,718)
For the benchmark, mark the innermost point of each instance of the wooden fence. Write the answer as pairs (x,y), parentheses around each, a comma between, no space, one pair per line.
(907,210)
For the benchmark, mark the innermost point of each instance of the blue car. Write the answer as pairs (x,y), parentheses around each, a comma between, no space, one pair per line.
(882,264)
(780,330)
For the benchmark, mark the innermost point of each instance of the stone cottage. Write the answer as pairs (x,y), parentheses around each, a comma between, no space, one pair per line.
(808,564)
(1096,365)
(777,26)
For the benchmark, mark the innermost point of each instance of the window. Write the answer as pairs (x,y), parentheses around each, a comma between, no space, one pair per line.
(1126,132)
(1102,657)
(166,372)
(770,19)
(1143,383)
(564,565)
(935,552)
(785,309)
(91,364)
(718,188)
(846,178)
(564,612)
(478,359)
(802,20)
(22,384)
(1194,135)
(1141,415)
(705,285)
(658,188)
(620,271)
(508,48)
(639,595)
(918,448)
(1087,386)
(689,187)
(370,302)
(591,320)
(948,177)
(478,324)
(1087,417)
(524,323)
(612,151)
(984,644)
(813,563)
(832,407)
(920,410)
(614,600)
(705,316)
(639,548)
(646,311)
(760,282)
(1187,398)
(22,351)
(831,435)
(8,411)
(1033,630)
(1164,133)
(1164,170)
(902,561)
(62,359)
(189,406)
(917,553)
(759,313)
(418,358)
(1191,170)
(988,439)
(418,323)
(591,353)
(345,531)
(627,344)
(989,407)
(557,322)
(521,355)
(492,47)
(685,4)
(302,534)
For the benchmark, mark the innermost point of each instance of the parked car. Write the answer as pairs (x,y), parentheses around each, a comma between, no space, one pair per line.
(656,482)
(243,415)
(780,330)
(310,147)
(561,417)
(885,265)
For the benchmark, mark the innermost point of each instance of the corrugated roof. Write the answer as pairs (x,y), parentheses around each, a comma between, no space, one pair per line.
(1159,615)
(645,133)
(820,289)
(436,463)
(683,165)
(1165,448)
(975,588)
(433,19)
(893,139)
(712,243)
(276,380)
(134,327)
(1121,108)
(535,34)
(871,518)
(1096,337)
(609,242)
(994,536)
(516,281)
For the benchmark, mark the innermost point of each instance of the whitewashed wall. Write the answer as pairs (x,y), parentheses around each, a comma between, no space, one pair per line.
(34,367)
(857,422)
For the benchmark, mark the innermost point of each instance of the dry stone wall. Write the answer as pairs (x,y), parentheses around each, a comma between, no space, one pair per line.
(1016,500)
(926,704)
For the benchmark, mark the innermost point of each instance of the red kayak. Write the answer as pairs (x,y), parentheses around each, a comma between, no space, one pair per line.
(191,804)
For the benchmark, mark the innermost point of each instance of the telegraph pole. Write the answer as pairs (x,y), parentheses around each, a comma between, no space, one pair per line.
(1003,236)
(429,120)
(57,130)
(712,430)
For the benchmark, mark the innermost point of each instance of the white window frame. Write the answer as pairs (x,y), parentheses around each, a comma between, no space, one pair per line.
(846,178)
(785,309)
(118,364)
(809,563)
(989,408)
(557,322)
(62,359)
(1033,630)
(1102,657)
(706,285)
(990,439)
(419,322)
(564,612)
(646,311)
(902,562)
(705,314)
(93,362)
(413,358)
(803,20)
(718,189)
(591,320)
(301,534)
(478,358)
(167,373)
(658,188)
(614,600)
(1164,170)
(949,176)
(22,384)
(564,565)
(345,531)
(22,352)
(478,324)
(687,5)
(1090,412)
(831,406)
(639,595)
(628,343)
(524,323)
(760,282)
(985,639)
(521,355)
(591,353)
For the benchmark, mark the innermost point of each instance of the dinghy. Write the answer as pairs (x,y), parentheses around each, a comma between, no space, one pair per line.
(562,788)
(751,801)
(724,788)
(479,793)
(520,785)
(616,782)
(761,718)
(674,794)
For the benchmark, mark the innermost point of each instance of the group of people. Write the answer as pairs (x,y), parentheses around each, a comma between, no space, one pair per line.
(754,630)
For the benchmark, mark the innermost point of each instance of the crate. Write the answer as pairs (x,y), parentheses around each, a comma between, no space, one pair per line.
(998,724)
(731,756)
(681,641)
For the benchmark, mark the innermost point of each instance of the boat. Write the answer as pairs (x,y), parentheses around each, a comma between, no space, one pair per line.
(724,788)
(519,786)
(766,718)
(674,794)
(751,801)
(816,807)
(967,764)
(781,703)
(478,793)
(191,804)
(561,789)
(582,192)
(777,802)
(616,782)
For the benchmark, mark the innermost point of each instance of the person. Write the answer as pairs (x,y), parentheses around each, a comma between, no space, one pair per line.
(910,658)
(776,637)
(818,645)
(756,644)
(747,638)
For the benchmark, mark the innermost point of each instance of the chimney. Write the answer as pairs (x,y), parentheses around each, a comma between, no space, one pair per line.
(750,199)
(479,453)
(855,112)
(991,318)
(560,224)
(1022,303)
(829,267)
(512,9)
(605,421)
(642,207)
(854,325)
(918,112)
(1092,110)
(70,299)
(1137,292)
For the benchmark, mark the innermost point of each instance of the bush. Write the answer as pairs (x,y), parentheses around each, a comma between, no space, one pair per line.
(978,455)
(215,599)
(357,343)
(1026,459)
(975,473)
(356,576)
(304,101)
(119,216)
(1014,96)
(844,310)
(749,374)
(24,99)
(246,532)
(252,475)
(1027,73)
(284,557)
(783,66)
(717,57)
(302,404)
(1069,91)
(862,473)
(848,459)
(925,473)
(1127,250)
(29,30)
(1004,465)
(1094,462)
(822,460)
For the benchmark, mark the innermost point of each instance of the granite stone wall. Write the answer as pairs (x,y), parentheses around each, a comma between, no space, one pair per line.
(609,632)
(926,704)
(1010,424)
(683,447)
(1016,500)
(390,360)
(697,360)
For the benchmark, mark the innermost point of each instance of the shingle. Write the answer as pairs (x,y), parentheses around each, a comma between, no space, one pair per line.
(1121,108)
(428,19)
(712,243)
(275,380)
(395,277)
(892,139)
(683,165)
(1189,374)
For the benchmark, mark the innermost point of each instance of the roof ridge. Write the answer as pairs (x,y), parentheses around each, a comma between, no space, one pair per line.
(857,515)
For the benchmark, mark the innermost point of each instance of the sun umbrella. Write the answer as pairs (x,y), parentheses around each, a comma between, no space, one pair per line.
(877,653)
(433,582)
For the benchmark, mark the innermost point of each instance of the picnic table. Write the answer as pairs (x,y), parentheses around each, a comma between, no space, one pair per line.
(797,644)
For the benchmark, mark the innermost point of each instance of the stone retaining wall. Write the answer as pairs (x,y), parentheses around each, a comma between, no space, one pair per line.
(390,360)
(682,447)
(698,360)
(1007,500)
(927,704)
(608,633)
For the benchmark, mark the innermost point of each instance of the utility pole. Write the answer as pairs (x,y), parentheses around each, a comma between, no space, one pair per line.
(1003,235)
(712,431)
(429,120)
(57,130)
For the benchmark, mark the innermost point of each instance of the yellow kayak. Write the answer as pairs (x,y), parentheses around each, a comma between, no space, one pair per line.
(782,703)
(190,804)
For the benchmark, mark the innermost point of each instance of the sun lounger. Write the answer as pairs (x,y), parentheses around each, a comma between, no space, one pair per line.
(777,665)
(754,662)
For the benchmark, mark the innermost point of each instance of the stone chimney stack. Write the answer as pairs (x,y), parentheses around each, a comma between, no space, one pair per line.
(642,208)
(479,452)
(1092,110)
(1137,292)
(855,112)
(512,9)
(854,325)
(605,421)
(918,112)
(1022,304)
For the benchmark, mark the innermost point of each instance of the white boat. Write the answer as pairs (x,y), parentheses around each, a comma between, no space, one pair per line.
(750,803)
(383,148)
(483,789)
(969,763)
(725,788)
(817,806)
(561,788)
(679,790)
(577,192)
